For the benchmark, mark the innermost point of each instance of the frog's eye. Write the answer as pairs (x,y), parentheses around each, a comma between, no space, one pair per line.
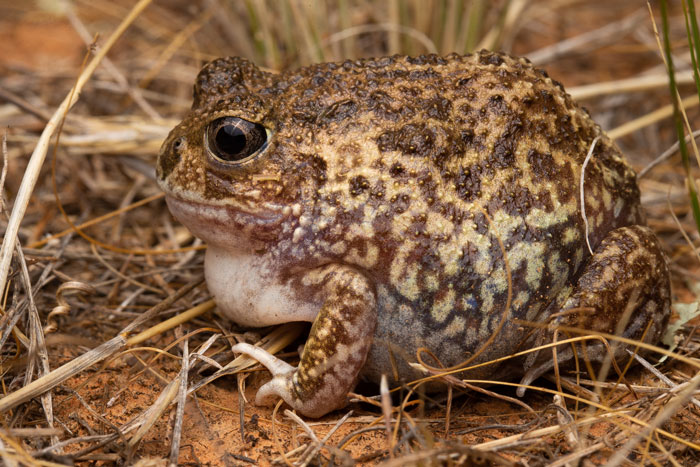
(234,140)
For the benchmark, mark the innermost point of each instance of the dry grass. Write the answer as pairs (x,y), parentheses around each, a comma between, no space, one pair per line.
(109,348)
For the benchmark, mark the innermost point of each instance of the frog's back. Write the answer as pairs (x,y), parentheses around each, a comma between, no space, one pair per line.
(430,168)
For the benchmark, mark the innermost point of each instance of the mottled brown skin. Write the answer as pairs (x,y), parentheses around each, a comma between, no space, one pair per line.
(392,201)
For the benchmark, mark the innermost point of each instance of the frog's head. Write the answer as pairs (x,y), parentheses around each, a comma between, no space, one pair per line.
(305,155)
(221,168)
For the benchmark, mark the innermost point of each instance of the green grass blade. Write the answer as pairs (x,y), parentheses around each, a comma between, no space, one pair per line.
(477,15)
(258,43)
(678,120)
(691,28)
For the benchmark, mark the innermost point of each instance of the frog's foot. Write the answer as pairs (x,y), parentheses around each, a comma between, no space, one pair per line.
(624,290)
(335,351)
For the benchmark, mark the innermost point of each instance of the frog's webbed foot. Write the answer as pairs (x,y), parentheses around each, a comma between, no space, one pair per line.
(281,372)
(335,351)
(624,290)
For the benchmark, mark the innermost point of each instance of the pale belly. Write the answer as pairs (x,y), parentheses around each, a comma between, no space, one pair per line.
(246,290)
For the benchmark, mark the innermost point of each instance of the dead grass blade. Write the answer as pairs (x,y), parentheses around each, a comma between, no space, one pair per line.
(636,84)
(150,416)
(96,355)
(36,161)
(668,411)
(180,410)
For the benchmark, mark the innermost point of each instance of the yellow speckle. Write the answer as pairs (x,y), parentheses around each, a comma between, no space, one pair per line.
(570,235)
(437,224)
(399,264)
(521,299)
(368,261)
(338,248)
(442,308)
(449,253)
(599,219)
(455,327)
(483,263)
(496,283)
(503,222)
(541,219)
(408,286)
(592,201)
(467,301)
(481,243)
(557,268)
(431,281)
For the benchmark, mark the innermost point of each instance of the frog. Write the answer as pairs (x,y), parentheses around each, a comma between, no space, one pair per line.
(421,212)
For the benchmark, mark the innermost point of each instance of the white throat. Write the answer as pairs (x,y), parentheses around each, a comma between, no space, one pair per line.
(247,290)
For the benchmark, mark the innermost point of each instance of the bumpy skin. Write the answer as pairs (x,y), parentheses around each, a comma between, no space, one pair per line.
(394,198)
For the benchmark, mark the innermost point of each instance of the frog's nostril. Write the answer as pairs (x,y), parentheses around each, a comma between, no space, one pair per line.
(170,157)
(177,145)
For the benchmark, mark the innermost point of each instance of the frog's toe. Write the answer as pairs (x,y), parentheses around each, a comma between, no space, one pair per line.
(276,366)
(282,382)
(285,384)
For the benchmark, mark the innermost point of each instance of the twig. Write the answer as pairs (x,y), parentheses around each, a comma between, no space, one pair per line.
(118,76)
(180,411)
(650,118)
(5,167)
(24,105)
(31,432)
(570,459)
(383,27)
(667,381)
(37,344)
(665,155)
(583,200)
(314,449)
(550,430)
(386,411)
(103,439)
(668,411)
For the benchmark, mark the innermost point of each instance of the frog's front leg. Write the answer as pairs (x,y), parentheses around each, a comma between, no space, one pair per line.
(336,350)
(624,290)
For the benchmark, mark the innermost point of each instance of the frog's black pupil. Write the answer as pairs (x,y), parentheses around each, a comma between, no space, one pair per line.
(231,140)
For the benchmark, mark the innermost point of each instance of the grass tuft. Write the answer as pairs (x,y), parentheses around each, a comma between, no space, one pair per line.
(678,116)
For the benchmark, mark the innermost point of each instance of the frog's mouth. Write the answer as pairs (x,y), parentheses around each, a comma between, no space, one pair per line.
(228,225)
